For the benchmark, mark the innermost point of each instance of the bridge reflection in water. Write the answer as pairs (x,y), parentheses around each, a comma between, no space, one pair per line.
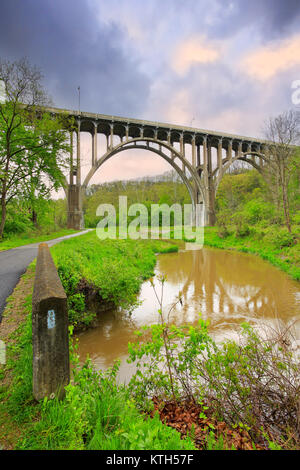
(226,287)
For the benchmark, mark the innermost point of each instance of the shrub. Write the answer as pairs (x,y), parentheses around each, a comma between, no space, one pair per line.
(254,383)
(257,210)
(280,238)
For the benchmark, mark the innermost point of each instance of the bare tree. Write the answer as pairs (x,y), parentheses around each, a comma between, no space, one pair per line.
(283,133)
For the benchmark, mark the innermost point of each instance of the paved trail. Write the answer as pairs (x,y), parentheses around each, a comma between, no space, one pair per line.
(14,262)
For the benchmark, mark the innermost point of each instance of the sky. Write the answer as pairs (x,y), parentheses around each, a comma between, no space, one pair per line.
(222,65)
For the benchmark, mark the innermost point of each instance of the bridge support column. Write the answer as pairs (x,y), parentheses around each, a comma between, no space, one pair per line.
(75,213)
(211,214)
(210,190)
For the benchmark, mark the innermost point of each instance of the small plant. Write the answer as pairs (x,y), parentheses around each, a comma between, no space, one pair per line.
(250,385)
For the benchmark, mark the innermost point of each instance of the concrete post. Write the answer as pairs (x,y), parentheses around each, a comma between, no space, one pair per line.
(205,153)
(78,170)
(198,155)
(51,369)
(206,181)
(75,213)
(229,150)
(111,136)
(249,150)
(240,149)
(182,151)
(94,144)
(210,188)
(71,159)
(194,151)
(219,154)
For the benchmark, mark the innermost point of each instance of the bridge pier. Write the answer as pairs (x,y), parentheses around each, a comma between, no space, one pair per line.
(75,212)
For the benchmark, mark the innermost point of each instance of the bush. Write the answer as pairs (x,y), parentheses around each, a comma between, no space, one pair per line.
(257,210)
(280,238)
(241,226)
(254,383)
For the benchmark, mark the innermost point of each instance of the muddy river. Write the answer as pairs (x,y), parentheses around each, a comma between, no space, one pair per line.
(226,287)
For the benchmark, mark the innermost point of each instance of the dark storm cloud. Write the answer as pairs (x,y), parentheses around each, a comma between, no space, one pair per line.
(72,47)
(275,18)
(270,19)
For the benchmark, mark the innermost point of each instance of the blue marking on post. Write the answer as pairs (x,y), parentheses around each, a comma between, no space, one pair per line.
(51,319)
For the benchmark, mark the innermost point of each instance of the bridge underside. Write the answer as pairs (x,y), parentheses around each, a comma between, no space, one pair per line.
(200,157)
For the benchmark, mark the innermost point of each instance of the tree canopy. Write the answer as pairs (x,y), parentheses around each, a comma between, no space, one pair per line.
(33,143)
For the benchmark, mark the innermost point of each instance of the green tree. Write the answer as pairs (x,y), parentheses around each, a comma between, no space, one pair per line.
(32,142)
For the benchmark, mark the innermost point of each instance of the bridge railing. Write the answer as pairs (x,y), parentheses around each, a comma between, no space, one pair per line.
(51,369)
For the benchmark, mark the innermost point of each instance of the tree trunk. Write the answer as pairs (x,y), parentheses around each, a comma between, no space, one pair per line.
(285,199)
(3,216)
(34,217)
(286,208)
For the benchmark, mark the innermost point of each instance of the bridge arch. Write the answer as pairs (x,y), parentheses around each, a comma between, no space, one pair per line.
(219,172)
(193,184)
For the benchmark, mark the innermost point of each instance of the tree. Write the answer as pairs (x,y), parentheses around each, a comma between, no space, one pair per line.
(283,133)
(32,142)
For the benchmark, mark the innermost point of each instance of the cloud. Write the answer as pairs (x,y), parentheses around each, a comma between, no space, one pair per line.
(195,50)
(73,47)
(267,61)
(168,61)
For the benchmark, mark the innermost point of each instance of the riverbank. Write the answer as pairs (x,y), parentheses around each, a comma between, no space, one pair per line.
(98,413)
(273,245)
(100,274)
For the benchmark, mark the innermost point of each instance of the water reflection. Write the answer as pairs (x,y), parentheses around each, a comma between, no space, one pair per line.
(226,287)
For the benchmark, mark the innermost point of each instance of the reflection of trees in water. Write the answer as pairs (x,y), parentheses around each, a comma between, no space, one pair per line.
(231,284)
(109,340)
(226,287)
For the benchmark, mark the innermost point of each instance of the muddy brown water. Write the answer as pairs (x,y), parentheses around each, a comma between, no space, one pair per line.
(227,287)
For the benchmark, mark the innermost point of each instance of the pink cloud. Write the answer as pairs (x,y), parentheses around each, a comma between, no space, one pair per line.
(267,61)
(192,51)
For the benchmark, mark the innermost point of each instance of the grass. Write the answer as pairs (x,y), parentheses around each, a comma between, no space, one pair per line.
(26,239)
(110,272)
(96,414)
(261,242)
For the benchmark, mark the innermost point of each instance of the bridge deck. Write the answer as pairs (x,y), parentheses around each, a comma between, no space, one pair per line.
(103,121)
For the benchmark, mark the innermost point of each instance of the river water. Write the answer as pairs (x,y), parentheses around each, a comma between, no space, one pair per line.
(226,287)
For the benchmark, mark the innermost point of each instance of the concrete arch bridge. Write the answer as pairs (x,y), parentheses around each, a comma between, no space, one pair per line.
(200,157)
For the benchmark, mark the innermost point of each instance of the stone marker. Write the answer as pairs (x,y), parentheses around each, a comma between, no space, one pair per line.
(51,369)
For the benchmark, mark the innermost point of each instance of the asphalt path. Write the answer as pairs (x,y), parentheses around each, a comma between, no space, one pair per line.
(14,262)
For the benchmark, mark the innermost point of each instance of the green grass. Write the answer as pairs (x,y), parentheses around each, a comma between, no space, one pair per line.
(269,244)
(26,239)
(112,269)
(96,414)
